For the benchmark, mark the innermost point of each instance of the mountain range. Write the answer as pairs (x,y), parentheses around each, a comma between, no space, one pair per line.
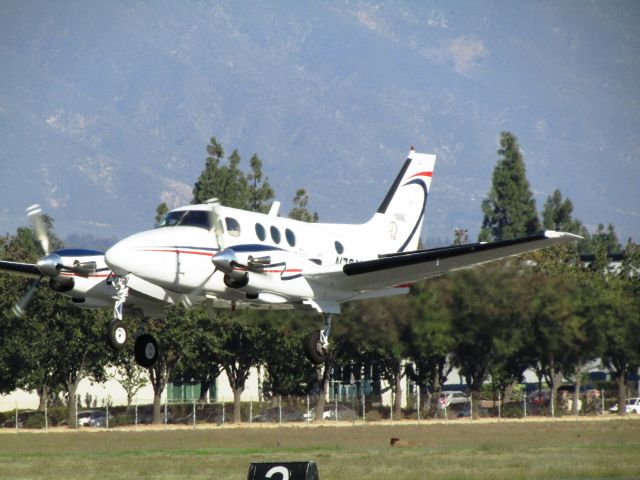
(106,108)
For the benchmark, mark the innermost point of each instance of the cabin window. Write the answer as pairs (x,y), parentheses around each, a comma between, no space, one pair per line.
(339,248)
(233,227)
(291,237)
(275,234)
(261,232)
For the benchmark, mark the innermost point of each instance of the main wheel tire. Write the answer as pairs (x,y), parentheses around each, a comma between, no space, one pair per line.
(116,335)
(145,350)
(314,350)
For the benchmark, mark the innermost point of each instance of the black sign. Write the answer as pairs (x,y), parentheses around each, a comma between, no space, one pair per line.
(283,471)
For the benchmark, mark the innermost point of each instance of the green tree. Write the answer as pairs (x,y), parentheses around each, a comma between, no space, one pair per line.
(429,338)
(300,210)
(377,327)
(605,239)
(171,334)
(202,354)
(558,215)
(241,350)
(260,192)
(161,211)
(289,372)
(509,210)
(55,344)
(615,305)
(131,376)
(225,182)
(488,306)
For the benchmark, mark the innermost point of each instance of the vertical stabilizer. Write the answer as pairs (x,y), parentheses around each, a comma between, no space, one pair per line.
(401,213)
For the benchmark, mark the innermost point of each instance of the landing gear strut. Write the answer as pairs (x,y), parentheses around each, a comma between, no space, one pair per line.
(316,344)
(116,330)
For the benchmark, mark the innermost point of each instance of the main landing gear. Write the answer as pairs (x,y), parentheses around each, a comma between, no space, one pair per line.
(316,344)
(145,347)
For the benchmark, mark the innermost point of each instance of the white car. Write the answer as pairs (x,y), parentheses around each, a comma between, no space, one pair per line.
(454,397)
(632,406)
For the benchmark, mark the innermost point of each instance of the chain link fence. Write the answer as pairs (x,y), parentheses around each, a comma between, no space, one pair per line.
(342,406)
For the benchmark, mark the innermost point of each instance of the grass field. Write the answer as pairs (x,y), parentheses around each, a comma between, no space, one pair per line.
(457,449)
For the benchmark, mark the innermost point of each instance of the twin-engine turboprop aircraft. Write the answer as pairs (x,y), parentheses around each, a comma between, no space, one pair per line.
(233,258)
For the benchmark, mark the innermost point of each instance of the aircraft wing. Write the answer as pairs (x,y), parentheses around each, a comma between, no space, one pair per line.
(29,270)
(399,269)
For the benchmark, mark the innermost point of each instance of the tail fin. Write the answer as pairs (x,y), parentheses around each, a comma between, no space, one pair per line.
(401,213)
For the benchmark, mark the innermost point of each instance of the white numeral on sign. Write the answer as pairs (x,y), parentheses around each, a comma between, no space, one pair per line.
(278,470)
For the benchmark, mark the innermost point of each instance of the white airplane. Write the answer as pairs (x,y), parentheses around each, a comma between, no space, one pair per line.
(230,258)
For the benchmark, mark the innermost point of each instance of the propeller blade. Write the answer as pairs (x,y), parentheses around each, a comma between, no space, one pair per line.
(20,308)
(34,212)
(217,221)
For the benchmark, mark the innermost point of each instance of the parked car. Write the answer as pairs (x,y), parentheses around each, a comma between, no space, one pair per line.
(94,418)
(453,397)
(632,406)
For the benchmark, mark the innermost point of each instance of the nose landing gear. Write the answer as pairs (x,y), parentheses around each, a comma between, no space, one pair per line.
(145,348)
(116,330)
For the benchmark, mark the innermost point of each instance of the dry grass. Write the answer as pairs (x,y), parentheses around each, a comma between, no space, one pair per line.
(458,449)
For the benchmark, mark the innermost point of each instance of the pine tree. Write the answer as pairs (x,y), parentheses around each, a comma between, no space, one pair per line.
(260,192)
(299,210)
(557,215)
(510,209)
(227,183)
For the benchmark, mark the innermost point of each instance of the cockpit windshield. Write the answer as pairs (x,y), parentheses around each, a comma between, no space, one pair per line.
(187,218)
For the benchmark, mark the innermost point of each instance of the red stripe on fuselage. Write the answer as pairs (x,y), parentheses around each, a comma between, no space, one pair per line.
(189,252)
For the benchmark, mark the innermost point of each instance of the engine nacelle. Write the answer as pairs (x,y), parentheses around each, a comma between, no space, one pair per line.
(62,284)
(236,279)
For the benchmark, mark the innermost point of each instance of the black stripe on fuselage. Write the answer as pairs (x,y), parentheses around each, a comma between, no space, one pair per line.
(392,191)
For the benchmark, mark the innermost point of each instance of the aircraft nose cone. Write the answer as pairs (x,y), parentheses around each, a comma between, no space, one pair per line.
(116,258)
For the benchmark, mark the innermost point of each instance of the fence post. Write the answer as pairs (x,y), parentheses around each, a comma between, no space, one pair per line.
(251,411)
(308,412)
(223,414)
(166,400)
(524,403)
(418,387)
(46,418)
(136,415)
(16,416)
(364,417)
(107,418)
(499,404)
(336,405)
(194,414)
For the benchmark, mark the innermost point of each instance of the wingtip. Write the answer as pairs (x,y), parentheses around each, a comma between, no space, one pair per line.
(566,235)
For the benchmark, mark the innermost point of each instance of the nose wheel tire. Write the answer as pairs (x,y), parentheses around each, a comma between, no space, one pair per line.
(116,335)
(145,350)
(316,352)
